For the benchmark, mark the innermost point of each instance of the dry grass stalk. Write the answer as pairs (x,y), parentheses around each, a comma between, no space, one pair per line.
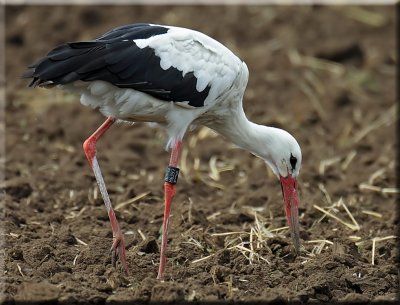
(257,235)
(214,173)
(390,190)
(44,259)
(52,228)
(194,242)
(252,210)
(360,243)
(315,63)
(244,252)
(251,245)
(75,259)
(378,189)
(73,214)
(193,141)
(231,289)
(202,259)
(205,133)
(350,156)
(141,234)
(226,168)
(91,195)
(134,177)
(210,183)
(196,164)
(373,251)
(13,182)
(130,201)
(191,296)
(279,229)
(183,162)
(35,223)
(372,213)
(95,193)
(190,210)
(80,241)
(213,275)
(328,162)
(20,270)
(387,118)
(374,241)
(314,99)
(230,243)
(319,241)
(377,239)
(258,232)
(318,249)
(353,227)
(341,202)
(229,233)
(261,231)
(321,186)
(365,186)
(213,215)
(375,175)
(363,15)
(65,147)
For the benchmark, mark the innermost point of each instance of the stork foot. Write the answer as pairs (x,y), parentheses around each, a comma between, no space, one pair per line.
(118,251)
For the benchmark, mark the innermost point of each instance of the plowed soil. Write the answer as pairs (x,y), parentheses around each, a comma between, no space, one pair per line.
(325,74)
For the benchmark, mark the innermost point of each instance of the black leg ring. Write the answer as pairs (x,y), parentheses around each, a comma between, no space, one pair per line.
(171,175)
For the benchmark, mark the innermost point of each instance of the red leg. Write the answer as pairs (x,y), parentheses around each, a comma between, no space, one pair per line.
(118,246)
(169,191)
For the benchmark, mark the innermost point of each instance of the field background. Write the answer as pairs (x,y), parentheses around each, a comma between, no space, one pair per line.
(325,74)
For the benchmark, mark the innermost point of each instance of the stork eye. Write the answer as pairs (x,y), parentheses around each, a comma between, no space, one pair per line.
(293,161)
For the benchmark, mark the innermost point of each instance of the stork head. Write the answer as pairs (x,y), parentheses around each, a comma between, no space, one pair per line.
(281,153)
(283,156)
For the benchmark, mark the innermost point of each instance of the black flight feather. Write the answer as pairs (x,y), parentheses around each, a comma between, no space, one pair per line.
(115,58)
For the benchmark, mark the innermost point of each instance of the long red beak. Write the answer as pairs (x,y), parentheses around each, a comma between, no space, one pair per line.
(291,199)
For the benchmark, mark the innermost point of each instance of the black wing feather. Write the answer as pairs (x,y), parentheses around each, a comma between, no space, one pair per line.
(115,58)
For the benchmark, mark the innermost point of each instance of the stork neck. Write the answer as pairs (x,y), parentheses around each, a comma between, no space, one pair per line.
(244,133)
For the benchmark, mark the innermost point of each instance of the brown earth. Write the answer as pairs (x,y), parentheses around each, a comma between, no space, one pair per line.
(326,74)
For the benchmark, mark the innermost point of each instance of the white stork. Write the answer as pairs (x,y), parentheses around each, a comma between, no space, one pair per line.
(176,77)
